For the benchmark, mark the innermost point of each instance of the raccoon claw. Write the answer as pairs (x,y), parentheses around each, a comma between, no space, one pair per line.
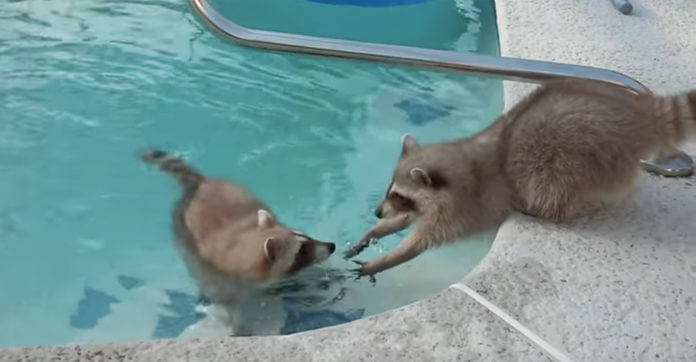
(373,280)
(359,247)
(360,272)
(355,250)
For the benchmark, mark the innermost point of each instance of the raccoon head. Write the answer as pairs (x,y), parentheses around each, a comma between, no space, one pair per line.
(415,184)
(289,251)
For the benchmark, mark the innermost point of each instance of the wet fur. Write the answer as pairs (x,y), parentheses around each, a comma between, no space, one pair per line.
(229,240)
(558,154)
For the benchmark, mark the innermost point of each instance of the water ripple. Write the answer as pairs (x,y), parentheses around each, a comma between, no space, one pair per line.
(85,84)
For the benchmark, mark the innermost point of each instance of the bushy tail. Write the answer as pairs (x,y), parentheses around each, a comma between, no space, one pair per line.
(679,114)
(186,175)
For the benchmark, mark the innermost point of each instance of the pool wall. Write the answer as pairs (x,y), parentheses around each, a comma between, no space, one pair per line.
(617,285)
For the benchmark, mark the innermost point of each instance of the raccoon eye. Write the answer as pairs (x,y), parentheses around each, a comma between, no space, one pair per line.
(398,197)
(303,249)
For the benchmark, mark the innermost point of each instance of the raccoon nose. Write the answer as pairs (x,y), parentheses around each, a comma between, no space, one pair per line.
(378,212)
(332,247)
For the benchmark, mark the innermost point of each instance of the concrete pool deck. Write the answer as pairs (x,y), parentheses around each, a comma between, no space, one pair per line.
(615,286)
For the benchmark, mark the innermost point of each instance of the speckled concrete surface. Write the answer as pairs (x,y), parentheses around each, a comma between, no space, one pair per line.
(448,327)
(656,45)
(620,285)
(615,286)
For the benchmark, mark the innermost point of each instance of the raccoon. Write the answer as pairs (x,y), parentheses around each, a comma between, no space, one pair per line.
(560,153)
(230,241)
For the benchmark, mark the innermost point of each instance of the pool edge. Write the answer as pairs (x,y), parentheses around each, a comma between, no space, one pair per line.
(516,260)
(615,285)
(363,329)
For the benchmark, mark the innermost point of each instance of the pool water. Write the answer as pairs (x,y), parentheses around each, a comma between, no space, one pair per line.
(85,236)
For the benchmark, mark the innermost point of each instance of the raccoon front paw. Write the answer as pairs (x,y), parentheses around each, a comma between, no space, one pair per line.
(363,271)
(357,248)
(361,245)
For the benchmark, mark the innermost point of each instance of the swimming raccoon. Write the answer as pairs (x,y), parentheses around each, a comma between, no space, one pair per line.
(229,240)
(558,154)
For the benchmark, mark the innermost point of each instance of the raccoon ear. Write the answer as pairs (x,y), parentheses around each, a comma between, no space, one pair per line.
(408,144)
(265,219)
(421,176)
(268,249)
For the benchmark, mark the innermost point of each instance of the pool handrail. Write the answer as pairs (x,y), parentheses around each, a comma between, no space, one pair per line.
(670,162)
(474,63)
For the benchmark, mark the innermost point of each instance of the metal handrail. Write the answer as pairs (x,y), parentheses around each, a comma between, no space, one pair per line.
(507,68)
(670,163)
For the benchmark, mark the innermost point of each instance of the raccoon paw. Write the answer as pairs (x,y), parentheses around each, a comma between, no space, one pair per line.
(359,247)
(361,272)
(355,250)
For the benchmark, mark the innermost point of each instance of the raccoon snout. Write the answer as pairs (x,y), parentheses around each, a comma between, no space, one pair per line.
(323,251)
(378,212)
(326,247)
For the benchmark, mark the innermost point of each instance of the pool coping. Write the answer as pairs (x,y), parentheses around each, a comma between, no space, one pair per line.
(530,297)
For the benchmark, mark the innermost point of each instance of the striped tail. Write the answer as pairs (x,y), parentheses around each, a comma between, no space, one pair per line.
(187,176)
(679,114)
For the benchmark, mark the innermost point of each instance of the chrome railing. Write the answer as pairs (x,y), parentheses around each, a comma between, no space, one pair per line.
(668,163)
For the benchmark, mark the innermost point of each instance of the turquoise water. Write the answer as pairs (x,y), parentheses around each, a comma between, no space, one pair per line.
(85,251)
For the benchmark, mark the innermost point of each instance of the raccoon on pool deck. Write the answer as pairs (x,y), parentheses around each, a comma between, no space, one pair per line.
(229,240)
(558,154)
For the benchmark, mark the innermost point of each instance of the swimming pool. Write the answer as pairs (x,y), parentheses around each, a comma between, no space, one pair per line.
(85,251)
